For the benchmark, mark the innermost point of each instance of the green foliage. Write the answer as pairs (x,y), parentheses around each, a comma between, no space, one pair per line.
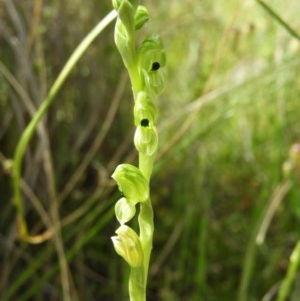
(227,120)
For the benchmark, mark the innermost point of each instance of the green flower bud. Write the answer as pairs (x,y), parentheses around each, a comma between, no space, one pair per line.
(141,17)
(128,245)
(124,210)
(144,108)
(131,183)
(146,139)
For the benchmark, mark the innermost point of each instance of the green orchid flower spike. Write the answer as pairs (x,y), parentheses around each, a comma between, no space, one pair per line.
(144,64)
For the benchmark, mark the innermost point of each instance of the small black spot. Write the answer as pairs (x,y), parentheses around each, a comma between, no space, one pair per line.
(145,122)
(155,66)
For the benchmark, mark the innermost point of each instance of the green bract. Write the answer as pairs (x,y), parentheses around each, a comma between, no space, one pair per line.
(146,140)
(144,108)
(124,43)
(127,244)
(131,183)
(124,210)
(141,17)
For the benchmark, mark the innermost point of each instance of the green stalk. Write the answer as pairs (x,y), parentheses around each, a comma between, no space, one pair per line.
(31,127)
(137,288)
(287,282)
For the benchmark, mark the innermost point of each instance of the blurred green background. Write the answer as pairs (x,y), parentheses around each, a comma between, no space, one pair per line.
(228,118)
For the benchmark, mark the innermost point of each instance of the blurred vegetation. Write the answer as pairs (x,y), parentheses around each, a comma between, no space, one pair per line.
(228,118)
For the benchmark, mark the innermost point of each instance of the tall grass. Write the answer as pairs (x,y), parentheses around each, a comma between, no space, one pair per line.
(228,118)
